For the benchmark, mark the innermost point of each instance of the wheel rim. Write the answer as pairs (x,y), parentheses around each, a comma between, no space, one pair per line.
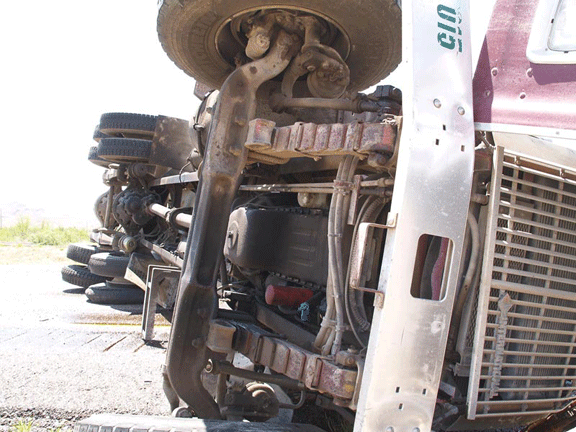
(231,27)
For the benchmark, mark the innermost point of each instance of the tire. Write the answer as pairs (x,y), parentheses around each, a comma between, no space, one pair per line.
(124,149)
(98,134)
(114,124)
(81,252)
(111,293)
(108,265)
(196,36)
(80,276)
(95,159)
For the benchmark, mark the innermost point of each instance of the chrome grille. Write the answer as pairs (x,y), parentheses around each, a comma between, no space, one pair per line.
(524,354)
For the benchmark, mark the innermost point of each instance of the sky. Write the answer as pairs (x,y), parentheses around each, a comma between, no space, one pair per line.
(63,64)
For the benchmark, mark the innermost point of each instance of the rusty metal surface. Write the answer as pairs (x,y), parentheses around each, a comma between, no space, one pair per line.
(316,140)
(137,269)
(161,288)
(101,238)
(359,104)
(172,143)
(173,216)
(224,161)
(163,282)
(557,422)
(315,371)
(168,257)
(283,326)
(509,89)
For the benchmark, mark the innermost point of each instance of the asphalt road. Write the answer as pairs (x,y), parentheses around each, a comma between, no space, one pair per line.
(63,358)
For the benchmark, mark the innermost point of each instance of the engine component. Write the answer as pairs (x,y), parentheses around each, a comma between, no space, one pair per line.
(124,243)
(288,241)
(139,170)
(256,401)
(130,208)
(313,200)
(177,218)
(277,295)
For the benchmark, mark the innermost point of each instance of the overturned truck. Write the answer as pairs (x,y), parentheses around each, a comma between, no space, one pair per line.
(392,261)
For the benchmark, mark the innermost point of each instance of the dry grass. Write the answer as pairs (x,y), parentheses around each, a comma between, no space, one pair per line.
(22,426)
(25,243)
(32,254)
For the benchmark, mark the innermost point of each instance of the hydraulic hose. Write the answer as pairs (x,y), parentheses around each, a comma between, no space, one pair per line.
(329,338)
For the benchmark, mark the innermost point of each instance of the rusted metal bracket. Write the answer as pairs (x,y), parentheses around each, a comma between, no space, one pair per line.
(317,140)
(172,143)
(225,158)
(157,293)
(311,370)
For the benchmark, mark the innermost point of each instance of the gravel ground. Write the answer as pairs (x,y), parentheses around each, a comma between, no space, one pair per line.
(63,358)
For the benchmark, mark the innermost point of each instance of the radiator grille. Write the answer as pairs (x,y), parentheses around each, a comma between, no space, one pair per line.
(524,355)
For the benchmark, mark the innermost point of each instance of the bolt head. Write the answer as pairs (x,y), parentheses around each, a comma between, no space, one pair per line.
(437,103)
(461,110)
(198,342)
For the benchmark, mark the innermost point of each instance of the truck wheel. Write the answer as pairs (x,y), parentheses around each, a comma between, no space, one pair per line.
(80,276)
(199,38)
(124,149)
(81,252)
(118,124)
(98,134)
(113,293)
(100,210)
(95,159)
(108,265)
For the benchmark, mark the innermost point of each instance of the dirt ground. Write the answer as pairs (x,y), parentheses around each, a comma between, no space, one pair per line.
(32,254)
(63,358)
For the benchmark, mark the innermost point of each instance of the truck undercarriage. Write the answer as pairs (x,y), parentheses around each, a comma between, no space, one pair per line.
(370,255)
